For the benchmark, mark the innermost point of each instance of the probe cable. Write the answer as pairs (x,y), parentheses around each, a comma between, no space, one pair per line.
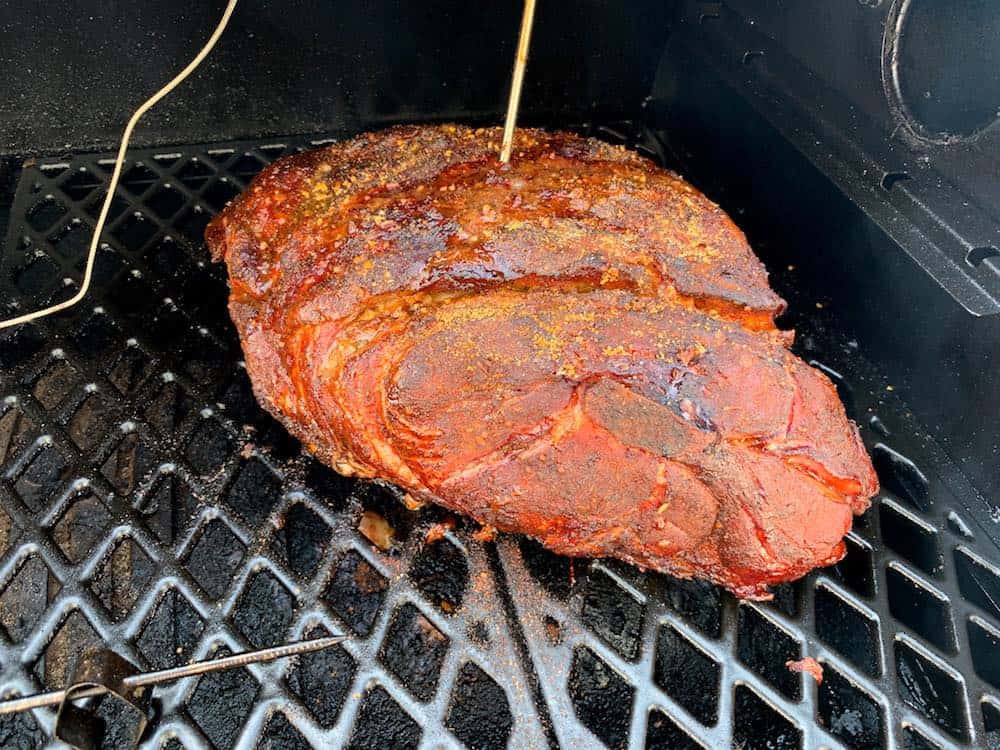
(119,161)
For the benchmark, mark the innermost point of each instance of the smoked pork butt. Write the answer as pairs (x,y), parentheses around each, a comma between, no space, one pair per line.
(577,346)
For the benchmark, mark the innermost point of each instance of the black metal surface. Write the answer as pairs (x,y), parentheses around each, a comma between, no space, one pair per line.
(146,501)
(75,70)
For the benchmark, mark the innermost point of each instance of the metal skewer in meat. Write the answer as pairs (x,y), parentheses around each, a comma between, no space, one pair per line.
(578,346)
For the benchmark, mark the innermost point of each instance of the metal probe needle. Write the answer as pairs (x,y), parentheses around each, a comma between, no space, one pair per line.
(134,682)
(520,62)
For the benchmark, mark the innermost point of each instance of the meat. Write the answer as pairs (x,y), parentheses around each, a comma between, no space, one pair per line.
(578,346)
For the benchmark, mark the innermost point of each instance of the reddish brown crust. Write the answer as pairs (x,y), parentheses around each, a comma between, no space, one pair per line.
(579,347)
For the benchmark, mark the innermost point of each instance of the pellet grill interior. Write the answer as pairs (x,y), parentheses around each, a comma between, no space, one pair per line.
(147,502)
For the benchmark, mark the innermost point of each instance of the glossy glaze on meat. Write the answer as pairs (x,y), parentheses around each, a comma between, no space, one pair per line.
(578,346)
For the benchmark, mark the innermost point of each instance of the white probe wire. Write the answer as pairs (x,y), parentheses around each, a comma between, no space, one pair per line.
(119,161)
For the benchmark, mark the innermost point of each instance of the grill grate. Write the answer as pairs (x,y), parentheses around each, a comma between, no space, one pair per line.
(146,501)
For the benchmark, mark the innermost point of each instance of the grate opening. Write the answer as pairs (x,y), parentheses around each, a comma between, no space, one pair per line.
(90,421)
(687,674)
(166,201)
(601,698)
(478,711)
(355,592)
(71,242)
(214,558)
(168,507)
(991,723)
(919,607)
(16,431)
(698,602)
(98,335)
(984,643)
(848,630)
(613,613)
(899,474)
(219,193)
(381,722)
(59,660)
(138,178)
(42,477)
(135,231)
(279,734)
(759,726)
(910,537)
(37,278)
(554,572)
(302,540)
(171,632)
(131,462)
(220,702)
(254,491)
(25,597)
(264,610)
(81,526)
(914,740)
(978,581)
(663,733)
(195,173)
(55,382)
(931,689)
(414,649)
(440,571)
(79,184)
(122,576)
(322,680)
(209,447)
(849,712)
(45,213)
(765,648)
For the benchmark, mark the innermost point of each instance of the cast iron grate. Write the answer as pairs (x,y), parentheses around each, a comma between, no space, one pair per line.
(146,501)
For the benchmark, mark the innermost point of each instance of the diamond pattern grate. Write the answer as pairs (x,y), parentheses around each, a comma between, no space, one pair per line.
(146,501)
